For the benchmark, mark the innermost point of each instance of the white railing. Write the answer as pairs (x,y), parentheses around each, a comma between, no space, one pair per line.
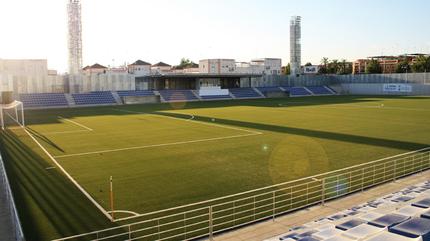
(204,219)
(18,234)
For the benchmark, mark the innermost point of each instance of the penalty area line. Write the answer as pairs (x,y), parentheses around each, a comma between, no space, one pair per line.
(86,194)
(76,123)
(156,145)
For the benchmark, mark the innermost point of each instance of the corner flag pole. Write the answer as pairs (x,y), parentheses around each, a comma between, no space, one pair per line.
(111,199)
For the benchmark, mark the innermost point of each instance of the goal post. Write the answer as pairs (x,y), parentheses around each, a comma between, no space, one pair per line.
(12,114)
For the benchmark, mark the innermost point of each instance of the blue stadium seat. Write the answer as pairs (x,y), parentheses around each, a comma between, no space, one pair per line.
(388,220)
(319,90)
(245,93)
(266,90)
(349,224)
(413,228)
(94,98)
(177,95)
(215,97)
(44,100)
(424,203)
(298,91)
(125,93)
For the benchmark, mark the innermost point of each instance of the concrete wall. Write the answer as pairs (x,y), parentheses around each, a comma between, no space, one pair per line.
(101,82)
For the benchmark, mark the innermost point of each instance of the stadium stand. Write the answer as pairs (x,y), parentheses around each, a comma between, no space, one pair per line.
(106,97)
(178,95)
(125,93)
(319,90)
(244,93)
(43,100)
(94,98)
(298,91)
(400,216)
(215,97)
(265,90)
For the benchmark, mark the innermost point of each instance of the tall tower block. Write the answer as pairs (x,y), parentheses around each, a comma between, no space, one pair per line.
(295,45)
(75,36)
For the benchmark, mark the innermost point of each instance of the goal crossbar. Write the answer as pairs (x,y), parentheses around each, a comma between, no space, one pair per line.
(17,109)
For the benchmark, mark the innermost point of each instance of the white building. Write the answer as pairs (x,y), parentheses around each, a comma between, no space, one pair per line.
(217,66)
(160,68)
(140,68)
(269,66)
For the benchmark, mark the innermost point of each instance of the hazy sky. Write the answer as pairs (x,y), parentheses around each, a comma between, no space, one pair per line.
(118,31)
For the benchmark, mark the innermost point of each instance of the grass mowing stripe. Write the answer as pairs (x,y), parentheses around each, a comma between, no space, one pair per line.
(157,145)
(69,176)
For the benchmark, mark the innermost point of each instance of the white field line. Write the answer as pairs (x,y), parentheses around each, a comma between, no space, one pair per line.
(86,194)
(124,211)
(64,132)
(157,145)
(194,121)
(76,123)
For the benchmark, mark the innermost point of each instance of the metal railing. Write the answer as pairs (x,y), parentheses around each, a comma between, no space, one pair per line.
(204,219)
(18,234)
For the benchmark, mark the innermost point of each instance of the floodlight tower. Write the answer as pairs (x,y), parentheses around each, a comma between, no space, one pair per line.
(295,45)
(75,36)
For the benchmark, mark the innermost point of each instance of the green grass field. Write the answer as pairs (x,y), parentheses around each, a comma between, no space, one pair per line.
(165,155)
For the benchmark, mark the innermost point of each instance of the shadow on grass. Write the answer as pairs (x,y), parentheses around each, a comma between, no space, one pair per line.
(372,141)
(49,205)
(44,139)
(45,116)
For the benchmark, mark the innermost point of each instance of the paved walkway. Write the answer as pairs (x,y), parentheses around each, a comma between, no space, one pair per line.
(269,229)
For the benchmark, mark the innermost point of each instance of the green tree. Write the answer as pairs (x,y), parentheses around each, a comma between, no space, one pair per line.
(403,67)
(186,63)
(287,69)
(422,64)
(333,67)
(324,67)
(373,67)
(343,67)
(308,64)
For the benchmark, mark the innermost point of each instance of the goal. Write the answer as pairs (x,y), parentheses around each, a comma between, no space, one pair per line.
(12,115)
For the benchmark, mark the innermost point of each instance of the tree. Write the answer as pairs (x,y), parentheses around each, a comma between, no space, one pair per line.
(345,67)
(287,69)
(333,66)
(324,63)
(373,67)
(186,63)
(422,64)
(403,67)
(308,64)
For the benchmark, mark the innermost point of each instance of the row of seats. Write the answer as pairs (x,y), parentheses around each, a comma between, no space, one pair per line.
(178,95)
(126,93)
(43,100)
(244,93)
(215,97)
(266,90)
(400,216)
(94,98)
(319,90)
(106,97)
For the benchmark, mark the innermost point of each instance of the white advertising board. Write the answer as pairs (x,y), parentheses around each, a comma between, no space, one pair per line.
(397,88)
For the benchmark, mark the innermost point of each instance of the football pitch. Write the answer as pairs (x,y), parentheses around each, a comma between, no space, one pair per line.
(166,155)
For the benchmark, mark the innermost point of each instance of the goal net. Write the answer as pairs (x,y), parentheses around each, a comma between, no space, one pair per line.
(12,115)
